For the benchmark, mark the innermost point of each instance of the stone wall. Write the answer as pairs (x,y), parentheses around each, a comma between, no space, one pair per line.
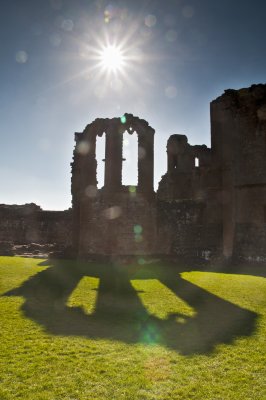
(30,224)
(238,131)
(105,220)
(250,242)
(122,223)
(184,231)
(211,202)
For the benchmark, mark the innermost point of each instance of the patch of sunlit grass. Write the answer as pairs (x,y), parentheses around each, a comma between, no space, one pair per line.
(89,286)
(151,290)
(244,287)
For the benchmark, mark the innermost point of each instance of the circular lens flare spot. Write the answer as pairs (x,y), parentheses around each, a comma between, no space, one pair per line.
(137,229)
(123,119)
(112,58)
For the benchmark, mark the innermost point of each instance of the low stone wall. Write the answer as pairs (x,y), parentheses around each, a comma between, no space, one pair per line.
(174,228)
(30,224)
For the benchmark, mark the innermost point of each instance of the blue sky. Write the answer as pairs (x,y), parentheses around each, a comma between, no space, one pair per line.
(180,55)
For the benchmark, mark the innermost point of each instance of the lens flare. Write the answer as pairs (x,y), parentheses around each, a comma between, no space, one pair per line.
(123,119)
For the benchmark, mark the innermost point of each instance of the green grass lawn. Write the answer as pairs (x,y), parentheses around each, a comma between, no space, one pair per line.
(78,331)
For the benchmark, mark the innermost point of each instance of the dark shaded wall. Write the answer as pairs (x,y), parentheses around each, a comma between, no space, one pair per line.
(116,219)
(184,231)
(238,129)
(30,224)
(121,223)
(211,202)
(189,212)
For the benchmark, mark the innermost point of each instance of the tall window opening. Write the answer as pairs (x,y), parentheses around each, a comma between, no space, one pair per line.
(100,156)
(130,156)
(196,162)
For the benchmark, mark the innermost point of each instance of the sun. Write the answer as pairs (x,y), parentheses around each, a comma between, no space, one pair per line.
(111,58)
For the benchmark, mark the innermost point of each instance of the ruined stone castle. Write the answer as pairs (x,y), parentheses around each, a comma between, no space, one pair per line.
(210,203)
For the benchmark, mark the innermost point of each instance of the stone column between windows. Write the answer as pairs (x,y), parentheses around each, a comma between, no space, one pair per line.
(145,161)
(113,159)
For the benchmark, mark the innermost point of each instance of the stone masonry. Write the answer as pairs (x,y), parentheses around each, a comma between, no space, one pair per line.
(116,219)
(210,203)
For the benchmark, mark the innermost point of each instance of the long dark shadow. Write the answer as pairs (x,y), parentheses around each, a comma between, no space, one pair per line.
(119,314)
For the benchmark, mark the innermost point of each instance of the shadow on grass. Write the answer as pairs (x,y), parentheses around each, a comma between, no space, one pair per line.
(254,269)
(120,315)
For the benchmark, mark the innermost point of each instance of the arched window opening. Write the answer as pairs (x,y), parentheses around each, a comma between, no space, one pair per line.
(130,156)
(196,162)
(100,156)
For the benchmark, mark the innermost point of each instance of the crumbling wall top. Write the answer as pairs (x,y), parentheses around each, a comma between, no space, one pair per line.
(255,94)
(127,122)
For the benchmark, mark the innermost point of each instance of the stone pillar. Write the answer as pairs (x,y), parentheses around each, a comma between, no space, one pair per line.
(170,162)
(85,163)
(145,161)
(171,155)
(83,175)
(113,159)
(224,129)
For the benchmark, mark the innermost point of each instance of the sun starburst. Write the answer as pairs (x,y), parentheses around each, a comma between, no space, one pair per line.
(112,58)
